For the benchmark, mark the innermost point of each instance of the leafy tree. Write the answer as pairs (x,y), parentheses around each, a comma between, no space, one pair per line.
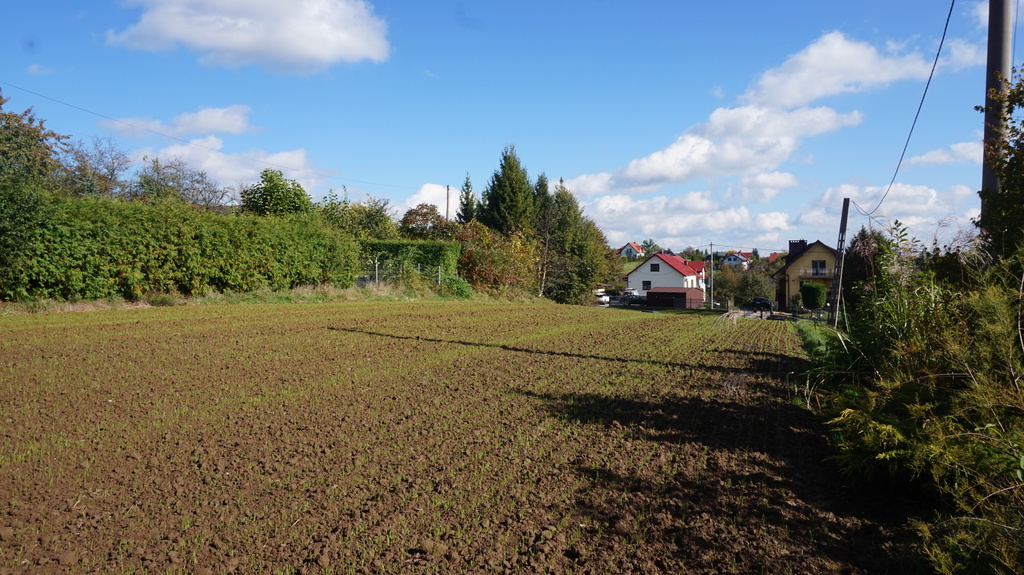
(367,219)
(494,262)
(275,196)
(422,222)
(753,284)
(508,205)
(726,284)
(95,169)
(174,180)
(28,165)
(693,254)
(650,246)
(813,295)
(860,265)
(28,150)
(467,203)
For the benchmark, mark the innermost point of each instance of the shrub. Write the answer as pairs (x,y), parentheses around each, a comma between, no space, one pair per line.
(94,248)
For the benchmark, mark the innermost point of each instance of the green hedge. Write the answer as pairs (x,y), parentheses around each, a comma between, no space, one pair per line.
(93,248)
(429,254)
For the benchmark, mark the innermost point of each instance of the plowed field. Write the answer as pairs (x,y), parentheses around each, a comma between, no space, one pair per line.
(414,438)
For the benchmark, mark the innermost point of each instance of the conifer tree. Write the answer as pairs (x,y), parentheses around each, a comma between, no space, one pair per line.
(508,205)
(467,203)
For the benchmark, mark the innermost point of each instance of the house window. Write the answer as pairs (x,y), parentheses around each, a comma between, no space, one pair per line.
(818,268)
(646,286)
(655,267)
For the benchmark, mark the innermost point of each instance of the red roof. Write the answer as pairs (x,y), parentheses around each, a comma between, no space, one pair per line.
(684,267)
(636,247)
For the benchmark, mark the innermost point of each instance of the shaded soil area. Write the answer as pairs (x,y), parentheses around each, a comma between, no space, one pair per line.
(419,437)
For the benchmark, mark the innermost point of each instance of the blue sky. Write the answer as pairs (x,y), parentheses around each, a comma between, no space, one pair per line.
(743,123)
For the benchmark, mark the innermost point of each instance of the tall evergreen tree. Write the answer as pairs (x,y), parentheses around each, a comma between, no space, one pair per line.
(573,251)
(467,203)
(507,205)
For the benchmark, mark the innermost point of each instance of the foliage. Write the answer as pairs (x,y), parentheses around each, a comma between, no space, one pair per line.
(454,286)
(423,222)
(507,205)
(468,203)
(726,284)
(1003,209)
(96,169)
(174,180)
(28,150)
(367,219)
(22,208)
(813,295)
(275,196)
(427,254)
(926,388)
(496,263)
(94,248)
(573,255)
(650,246)
(753,283)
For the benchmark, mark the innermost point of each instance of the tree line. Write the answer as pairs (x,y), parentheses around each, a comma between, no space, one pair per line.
(56,193)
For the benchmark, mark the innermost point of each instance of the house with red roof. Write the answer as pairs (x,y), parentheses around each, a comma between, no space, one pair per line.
(738,259)
(632,250)
(669,274)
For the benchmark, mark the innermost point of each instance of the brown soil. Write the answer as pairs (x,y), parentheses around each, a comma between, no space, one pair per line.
(417,438)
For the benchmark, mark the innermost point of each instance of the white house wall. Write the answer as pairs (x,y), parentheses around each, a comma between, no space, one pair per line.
(667,277)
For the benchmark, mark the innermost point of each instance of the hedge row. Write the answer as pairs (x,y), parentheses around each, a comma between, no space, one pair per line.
(93,248)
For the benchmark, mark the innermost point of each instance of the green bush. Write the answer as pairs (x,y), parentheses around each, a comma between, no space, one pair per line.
(93,248)
(927,391)
(454,286)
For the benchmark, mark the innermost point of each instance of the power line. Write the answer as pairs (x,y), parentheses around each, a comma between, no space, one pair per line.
(201,146)
(935,63)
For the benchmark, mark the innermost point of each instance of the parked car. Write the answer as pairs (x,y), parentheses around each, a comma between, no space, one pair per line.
(602,296)
(633,300)
(760,304)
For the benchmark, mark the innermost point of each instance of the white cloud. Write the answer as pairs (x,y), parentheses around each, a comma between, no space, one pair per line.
(430,194)
(229,120)
(690,220)
(923,210)
(763,187)
(963,152)
(833,65)
(733,141)
(38,70)
(244,168)
(963,54)
(292,37)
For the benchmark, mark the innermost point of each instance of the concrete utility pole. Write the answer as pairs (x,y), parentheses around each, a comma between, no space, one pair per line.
(447,202)
(999,68)
(837,276)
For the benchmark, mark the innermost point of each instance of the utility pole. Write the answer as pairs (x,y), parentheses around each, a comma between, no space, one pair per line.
(711,247)
(837,275)
(447,202)
(998,70)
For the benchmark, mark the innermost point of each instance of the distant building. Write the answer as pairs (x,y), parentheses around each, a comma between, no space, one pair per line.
(632,250)
(738,259)
(805,263)
(665,271)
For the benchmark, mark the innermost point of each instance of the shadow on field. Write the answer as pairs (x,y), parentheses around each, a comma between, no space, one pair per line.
(748,360)
(741,488)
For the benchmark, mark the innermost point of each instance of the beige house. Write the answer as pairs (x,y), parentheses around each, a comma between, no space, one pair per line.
(805,262)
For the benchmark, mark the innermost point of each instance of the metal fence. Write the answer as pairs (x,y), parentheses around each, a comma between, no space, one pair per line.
(374,271)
